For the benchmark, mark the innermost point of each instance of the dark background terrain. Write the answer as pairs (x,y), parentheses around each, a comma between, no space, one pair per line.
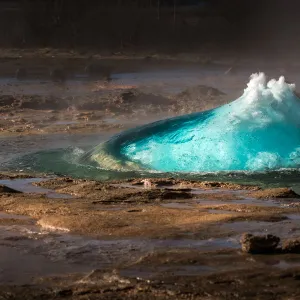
(168,26)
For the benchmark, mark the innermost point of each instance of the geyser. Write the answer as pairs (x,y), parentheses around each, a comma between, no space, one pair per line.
(258,131)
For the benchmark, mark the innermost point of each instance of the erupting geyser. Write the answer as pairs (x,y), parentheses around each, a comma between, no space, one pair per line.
(258,131)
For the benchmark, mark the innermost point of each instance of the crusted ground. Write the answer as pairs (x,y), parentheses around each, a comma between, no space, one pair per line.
(116,209)
(187,234)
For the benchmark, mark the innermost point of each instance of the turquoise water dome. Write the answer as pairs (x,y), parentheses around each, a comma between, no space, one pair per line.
(258,131)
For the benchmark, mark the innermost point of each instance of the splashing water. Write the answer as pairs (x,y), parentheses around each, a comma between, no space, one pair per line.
(258,131)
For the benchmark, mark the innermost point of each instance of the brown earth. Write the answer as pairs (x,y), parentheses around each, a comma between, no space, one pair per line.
(243,283)
(114,210)
(95,105)
(138,211)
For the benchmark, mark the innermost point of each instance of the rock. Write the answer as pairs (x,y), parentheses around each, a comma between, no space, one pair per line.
(102,278)
(291,246)
(198,98)
(58,75)
(275,193)
(135,210)
(200,91)
(172,194)
(7,100)
(21,73)
(147,183)
(137,97)
(260,244)
(6,189)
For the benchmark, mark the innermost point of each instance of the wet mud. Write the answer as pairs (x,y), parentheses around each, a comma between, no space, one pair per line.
(153,222)
(124,239)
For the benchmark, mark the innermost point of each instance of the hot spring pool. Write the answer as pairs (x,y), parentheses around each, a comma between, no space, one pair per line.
(254,139)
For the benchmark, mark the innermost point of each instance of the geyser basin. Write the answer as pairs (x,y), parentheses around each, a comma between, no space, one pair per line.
(259,131)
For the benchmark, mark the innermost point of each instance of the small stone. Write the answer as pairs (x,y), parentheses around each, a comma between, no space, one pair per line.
(147,183)
(291,246)
(260,244)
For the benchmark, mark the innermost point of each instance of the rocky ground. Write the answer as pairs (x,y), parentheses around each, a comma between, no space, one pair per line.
(67,238)
(83,97)
(139,239)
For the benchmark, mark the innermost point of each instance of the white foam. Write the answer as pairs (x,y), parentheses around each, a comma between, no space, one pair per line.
(264,102)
